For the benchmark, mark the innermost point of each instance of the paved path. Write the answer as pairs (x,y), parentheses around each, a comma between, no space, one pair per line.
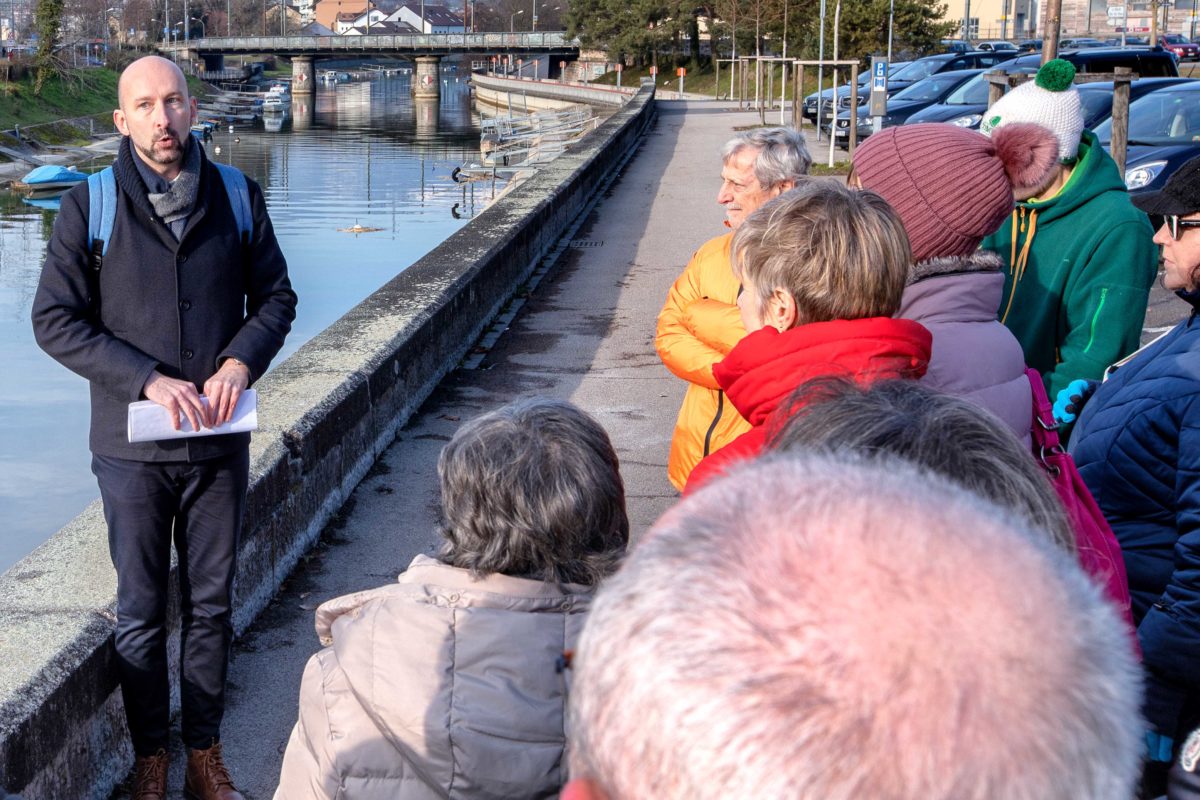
(585,334)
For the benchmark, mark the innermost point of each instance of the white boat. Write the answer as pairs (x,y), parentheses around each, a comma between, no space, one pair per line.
(276,103)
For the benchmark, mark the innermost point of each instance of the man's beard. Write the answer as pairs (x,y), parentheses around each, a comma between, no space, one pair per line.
(159,156)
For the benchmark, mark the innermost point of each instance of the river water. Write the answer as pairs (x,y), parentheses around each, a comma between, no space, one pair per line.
(358,153)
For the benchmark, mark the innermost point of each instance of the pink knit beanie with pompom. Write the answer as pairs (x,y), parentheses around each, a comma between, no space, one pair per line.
(952,186)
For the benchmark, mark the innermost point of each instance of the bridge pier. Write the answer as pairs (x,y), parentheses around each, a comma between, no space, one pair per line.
(302,76)
(427,79)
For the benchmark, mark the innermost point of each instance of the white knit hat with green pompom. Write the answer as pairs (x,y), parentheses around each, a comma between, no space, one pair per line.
(1050,100)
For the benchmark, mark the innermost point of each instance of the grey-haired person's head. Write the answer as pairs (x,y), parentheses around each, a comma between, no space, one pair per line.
(533,490)
(782,154)
(946,435)
(829,627)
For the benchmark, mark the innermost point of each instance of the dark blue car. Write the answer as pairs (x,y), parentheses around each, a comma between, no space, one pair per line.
(905,103)
(1164,132)
(965,106)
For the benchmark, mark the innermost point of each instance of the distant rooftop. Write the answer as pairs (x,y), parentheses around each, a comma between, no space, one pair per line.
(438,16)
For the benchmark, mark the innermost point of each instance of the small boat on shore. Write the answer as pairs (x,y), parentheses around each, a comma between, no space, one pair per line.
(49,180)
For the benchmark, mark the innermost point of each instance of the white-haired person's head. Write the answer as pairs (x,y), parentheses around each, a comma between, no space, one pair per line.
(825,627)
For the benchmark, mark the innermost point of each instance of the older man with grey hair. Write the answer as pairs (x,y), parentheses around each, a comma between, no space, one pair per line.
(700,323)
(828,628)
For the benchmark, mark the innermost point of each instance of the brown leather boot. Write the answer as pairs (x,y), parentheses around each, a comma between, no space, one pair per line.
(150,777)
(208,777)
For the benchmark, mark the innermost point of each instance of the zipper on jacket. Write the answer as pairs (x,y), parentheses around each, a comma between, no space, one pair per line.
(713,426)
(1095,317)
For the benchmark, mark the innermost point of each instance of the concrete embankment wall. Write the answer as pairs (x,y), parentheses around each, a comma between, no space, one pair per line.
(522,95)
(327,413)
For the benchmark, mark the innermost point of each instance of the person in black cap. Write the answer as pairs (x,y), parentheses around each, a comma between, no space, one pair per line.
(1137,446)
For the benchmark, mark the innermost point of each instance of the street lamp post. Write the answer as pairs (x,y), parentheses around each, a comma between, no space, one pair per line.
(513,19)
(187,28)
(203,27)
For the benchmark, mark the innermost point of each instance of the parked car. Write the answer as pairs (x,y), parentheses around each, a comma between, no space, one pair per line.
(905,103)
(1097,98)
(965,105)
(864,81)
(1180,46)
(998,46)
(922,68)
(1164,133)
(1130,41)
(1030,46)
(1079,43)
(1145,61)
(956,46)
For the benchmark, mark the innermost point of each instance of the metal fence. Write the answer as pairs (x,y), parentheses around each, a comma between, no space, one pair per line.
(420,42)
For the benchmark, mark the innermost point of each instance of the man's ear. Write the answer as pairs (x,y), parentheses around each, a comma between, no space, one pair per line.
(782,186)
(781,312)
(119,121)
(581,789)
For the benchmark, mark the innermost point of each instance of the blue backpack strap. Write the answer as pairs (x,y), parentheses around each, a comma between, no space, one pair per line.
(102,209)
(239,198)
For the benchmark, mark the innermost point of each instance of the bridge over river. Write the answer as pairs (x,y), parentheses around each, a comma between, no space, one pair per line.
(426,49)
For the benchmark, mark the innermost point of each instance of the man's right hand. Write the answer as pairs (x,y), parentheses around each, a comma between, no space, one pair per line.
(176,397)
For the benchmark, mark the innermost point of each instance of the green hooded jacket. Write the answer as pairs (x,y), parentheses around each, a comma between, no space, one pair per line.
(1080,266)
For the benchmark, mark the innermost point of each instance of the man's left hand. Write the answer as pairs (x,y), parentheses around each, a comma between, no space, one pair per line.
(223,390)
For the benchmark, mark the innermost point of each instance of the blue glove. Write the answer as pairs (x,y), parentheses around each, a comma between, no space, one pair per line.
(1159,747)
(1070,400)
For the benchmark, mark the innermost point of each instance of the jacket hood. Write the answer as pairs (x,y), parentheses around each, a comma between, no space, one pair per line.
(768,365)
(979,261)
(954,290)
(1095,173)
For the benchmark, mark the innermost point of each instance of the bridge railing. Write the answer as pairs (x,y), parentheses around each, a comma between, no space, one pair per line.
(418,41)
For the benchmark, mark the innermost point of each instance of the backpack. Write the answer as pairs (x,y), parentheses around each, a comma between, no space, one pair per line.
(102,208)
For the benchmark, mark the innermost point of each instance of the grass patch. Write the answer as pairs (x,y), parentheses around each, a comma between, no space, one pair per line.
(88,92)
(702,78)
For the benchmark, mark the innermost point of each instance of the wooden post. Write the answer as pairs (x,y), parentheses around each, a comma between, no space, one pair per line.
(1053,23)
(798,100)
(717,82)
(997,82)
(1120,116)
(853,107)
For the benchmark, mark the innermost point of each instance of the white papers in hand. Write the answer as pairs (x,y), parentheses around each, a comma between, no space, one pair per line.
(150,422)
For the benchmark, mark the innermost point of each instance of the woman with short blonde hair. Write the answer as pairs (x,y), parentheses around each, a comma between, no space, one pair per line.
(822,270)
(837,254)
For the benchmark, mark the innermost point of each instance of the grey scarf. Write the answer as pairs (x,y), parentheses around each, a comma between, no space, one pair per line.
(175,204)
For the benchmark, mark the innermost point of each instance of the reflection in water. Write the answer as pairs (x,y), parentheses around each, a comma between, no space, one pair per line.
(355,154)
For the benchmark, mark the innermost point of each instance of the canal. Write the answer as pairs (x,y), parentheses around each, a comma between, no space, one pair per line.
(357,154)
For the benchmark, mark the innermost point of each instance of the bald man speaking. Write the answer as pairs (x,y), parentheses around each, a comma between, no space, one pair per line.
(185,304)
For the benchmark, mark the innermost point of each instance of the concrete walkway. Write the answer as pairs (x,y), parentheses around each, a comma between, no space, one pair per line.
(586,334)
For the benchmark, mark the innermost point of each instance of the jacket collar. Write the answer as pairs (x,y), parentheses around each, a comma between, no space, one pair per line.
(954,290)
(125,170)
(425,569)
(767,365)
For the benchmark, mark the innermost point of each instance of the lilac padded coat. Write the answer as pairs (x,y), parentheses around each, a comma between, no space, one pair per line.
(974,356)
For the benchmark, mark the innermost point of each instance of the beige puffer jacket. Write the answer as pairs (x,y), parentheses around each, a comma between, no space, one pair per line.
(437,686)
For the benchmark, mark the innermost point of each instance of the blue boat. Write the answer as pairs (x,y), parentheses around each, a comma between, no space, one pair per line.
(50,179)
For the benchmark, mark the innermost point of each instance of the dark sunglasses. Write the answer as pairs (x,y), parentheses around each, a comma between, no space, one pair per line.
(1177,225)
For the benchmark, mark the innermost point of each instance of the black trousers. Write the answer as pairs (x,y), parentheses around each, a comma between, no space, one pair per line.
(198,506)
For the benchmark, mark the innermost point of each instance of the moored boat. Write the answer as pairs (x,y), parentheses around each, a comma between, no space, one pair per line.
(49,179)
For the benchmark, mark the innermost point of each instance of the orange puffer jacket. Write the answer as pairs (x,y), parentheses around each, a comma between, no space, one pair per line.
(697,327)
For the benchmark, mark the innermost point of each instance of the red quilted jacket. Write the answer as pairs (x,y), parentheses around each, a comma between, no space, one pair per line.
(767,366)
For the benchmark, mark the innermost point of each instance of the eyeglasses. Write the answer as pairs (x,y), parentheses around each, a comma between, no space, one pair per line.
(1177,225)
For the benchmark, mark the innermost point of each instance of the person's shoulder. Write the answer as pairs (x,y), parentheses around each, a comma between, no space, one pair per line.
(716,247)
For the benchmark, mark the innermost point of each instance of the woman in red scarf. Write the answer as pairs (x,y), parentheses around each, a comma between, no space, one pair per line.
(822,270)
